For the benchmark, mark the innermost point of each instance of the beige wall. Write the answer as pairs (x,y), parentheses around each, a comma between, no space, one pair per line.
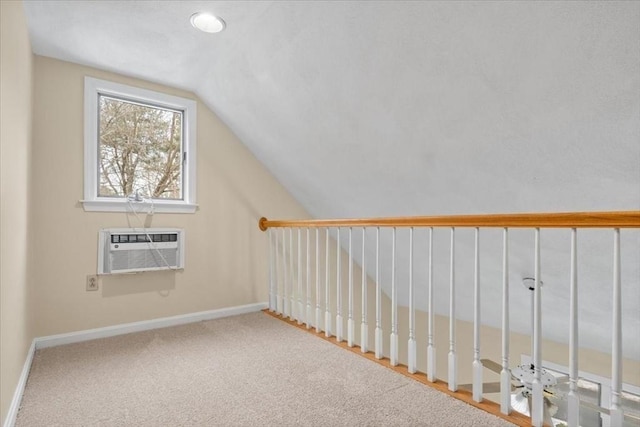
(225,251)
(15,148)
(226,258)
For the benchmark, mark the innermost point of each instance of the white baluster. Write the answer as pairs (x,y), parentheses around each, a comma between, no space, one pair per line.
(393,356)
(617,413)
(453,360)
(477,364)
(279,272)
(307,317)
(285,271)
(292,301)
(339,324)
(378,336)
(532,320)
(299,293)
(327,289)
(505,373)
(431,348)
(537,404)
(573,400)
(364,328)
(318,291)
(350,321)
(411,347)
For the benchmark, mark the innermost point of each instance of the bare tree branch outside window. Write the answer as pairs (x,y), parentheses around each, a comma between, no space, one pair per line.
(140,150)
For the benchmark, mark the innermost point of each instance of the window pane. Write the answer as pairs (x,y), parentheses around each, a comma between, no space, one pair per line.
(140,150)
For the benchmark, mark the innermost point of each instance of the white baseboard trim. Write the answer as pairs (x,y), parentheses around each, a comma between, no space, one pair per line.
(111,331)
(145,325)
(10,420)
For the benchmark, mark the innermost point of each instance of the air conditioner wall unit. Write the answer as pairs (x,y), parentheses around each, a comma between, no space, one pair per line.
(132,250)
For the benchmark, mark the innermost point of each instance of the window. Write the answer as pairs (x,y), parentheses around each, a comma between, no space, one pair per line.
(139,149)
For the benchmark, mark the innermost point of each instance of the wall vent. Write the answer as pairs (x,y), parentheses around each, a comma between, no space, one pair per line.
(132,250)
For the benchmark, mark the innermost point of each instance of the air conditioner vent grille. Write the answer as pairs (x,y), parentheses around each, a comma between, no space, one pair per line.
(143,259)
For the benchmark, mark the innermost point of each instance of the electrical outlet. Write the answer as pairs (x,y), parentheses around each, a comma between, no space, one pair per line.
(92,283)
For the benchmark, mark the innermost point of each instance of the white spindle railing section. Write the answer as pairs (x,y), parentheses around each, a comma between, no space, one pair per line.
(308,317)
(452,359)
(327,296)
(431,348)
(477,363)
(573,405)
(393,352)
(318,290)
(411,357)
(378,332)
(285,292)
(272,279)
(364,326)
(350,321)
(300,311)
(537,406)
(505,374)
(293,293)
(616,341)
(292,302)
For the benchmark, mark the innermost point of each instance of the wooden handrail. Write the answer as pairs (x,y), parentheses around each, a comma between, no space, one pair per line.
(612,219)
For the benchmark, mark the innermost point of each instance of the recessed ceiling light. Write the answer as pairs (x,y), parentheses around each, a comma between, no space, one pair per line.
(207,22)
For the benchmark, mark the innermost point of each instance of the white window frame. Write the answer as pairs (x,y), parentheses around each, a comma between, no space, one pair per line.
(92,201)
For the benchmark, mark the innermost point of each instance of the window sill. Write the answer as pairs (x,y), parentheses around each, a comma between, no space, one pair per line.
(121,205)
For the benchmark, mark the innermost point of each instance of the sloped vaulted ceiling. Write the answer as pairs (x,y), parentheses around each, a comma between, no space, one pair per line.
(382,108)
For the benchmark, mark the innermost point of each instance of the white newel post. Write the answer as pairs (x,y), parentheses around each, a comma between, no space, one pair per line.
(411,347)
(505,373)
(271,271)
(364,327)
(477,364)
(573,400)
(617,415)
(393,356)
(452,359)
(431,349)
(378,336)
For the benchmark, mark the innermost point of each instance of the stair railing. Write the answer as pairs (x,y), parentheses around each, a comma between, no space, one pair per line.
(289,298)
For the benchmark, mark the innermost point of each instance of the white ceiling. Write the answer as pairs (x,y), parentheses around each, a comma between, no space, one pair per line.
(387,108)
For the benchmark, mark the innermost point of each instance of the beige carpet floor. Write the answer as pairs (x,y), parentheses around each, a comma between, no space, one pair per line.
(249,370)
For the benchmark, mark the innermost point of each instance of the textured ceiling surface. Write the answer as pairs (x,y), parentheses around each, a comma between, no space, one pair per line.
(384,108)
